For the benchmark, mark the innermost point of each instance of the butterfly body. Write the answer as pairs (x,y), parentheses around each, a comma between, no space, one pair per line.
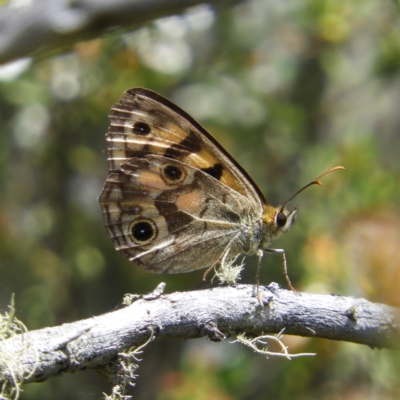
(175,200)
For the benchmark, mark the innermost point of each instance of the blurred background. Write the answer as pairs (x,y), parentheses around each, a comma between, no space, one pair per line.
(289,89)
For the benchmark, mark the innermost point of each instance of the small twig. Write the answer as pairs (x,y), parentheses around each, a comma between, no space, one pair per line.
(263,341)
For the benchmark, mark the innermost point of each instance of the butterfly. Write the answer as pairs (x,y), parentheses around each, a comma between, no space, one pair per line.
(175,200)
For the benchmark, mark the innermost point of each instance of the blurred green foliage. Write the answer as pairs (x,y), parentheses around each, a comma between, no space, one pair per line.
(290,89)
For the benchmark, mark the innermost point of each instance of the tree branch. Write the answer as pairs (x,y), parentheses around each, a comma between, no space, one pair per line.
(50,23)
(217,313)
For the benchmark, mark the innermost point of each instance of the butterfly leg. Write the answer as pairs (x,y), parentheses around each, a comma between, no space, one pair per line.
(260,254)
(285,269)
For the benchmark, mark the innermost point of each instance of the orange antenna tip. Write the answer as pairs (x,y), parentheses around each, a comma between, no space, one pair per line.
(314,182)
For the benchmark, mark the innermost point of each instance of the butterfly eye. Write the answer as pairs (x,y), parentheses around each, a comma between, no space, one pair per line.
(141,129)
(143,231)
(173,174)
(280,219)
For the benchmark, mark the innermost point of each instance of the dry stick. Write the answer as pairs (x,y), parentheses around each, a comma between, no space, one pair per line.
(217,313)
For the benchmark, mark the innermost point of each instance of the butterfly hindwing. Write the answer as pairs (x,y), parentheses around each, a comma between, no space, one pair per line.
(169,217)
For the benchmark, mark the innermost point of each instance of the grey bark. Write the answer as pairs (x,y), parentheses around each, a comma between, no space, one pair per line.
(50,23)
(217,313)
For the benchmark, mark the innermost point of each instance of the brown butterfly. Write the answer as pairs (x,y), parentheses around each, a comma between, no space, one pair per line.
(175,200)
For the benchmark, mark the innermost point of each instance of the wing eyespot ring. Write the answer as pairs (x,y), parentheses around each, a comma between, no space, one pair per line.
(141,129)
(143,231)
(173,174)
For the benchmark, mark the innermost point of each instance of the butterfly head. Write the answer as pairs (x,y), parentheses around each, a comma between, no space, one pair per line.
(278,220)
(285,219)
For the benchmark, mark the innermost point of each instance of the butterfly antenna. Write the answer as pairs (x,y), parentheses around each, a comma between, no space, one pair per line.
(314,182)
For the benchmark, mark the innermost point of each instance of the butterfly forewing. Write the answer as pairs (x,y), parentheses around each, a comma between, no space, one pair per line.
(144,122)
